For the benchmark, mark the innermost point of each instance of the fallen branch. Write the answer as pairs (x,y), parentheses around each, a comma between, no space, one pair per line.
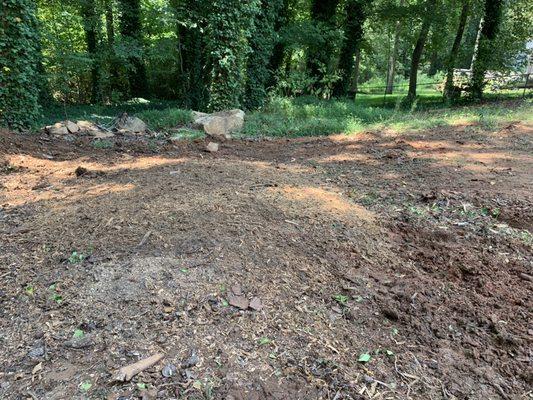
(129,371)
(144,239)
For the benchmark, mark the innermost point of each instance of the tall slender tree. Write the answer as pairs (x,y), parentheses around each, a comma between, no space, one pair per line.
(19,46)
(429,9)
(452,57)
(391,69)
(353,34)
(91,26)
(491,23)
(131,31)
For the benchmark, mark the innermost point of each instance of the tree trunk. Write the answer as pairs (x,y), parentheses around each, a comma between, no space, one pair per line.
(278,53)
(356,71)
(433,64)
(391,70)
(419,48)
(110,33)
(476,43)
(449,87)
(90,26)
(489,31)
(131,30)
(192,54)
(19,78)
(353,32)
(323,13)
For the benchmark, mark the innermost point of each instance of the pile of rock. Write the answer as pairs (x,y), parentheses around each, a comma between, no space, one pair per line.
(123,124)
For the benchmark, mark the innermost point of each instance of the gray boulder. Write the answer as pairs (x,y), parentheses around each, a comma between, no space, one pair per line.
(221,124)
(128,124)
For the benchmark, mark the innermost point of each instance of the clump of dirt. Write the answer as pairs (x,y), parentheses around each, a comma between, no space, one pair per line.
(379,266)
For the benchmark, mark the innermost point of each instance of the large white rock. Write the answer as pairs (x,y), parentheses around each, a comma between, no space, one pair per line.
(58,128)
(220,124)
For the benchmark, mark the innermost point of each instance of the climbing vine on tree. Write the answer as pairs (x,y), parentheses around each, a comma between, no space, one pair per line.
(230,25)
(19,44)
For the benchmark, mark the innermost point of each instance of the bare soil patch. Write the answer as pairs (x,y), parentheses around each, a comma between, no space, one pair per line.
(381,266)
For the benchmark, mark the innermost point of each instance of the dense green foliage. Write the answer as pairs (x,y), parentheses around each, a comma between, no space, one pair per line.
(220,54)
(230,25)
(19,60)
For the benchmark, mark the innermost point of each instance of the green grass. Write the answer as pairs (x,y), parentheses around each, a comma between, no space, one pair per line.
(157,114)
(309,116)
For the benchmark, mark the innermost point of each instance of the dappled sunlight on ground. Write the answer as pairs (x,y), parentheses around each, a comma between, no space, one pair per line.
(326,201)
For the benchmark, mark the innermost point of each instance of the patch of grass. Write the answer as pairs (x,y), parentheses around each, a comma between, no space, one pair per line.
(102,144)
(187,134)
(164,119)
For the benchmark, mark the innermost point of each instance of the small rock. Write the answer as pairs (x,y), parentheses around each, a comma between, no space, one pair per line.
(36,352)
(236,290)
(212,147)
(191,361)
(255,304)
(72,127)
(80,343)
(169,370)
(238,301)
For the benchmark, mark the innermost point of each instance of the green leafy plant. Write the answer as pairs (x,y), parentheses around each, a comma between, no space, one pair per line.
(30,290)
(264,341)
(85,386)
(76,258)
(78,334)
(364,358)
(341,299)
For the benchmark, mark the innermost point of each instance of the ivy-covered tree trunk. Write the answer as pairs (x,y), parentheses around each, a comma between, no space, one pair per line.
(190,25)
(491,24)
(230,24)
(452,57)
(353,34)
(278,53)
(19,60)
(262,44)
(419,48)
(90,26)
(131,31)
(323,13)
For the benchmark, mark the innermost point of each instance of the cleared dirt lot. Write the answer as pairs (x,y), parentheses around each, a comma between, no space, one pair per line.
(387,267)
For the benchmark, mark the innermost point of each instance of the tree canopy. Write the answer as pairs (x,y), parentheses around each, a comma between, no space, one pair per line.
(220,54)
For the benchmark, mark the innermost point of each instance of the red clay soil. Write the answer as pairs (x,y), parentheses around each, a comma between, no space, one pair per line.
(381,266)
